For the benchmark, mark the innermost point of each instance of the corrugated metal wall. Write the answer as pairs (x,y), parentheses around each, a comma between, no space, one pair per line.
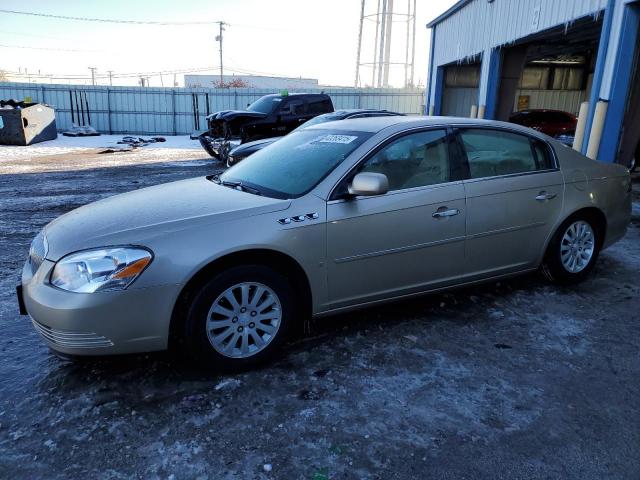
(167,111)
(565,100)
(481,25)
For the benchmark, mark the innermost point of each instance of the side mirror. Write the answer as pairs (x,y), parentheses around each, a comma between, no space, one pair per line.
(368,184)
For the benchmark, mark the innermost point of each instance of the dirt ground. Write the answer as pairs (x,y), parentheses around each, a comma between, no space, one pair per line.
(516,379)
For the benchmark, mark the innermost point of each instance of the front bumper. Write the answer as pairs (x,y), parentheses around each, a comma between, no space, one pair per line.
(102,323)
(218,148)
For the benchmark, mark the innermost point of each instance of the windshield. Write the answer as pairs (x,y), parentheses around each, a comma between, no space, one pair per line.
(295,164)
(265,104)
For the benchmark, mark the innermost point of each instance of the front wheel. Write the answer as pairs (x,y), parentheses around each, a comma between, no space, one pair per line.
(573,251)
(240,318)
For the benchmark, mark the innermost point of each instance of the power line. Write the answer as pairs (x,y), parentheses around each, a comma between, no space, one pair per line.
(107,20)
(256,72)
(112,75)
(136,22)
(35,35)
(156,73)
(2,45)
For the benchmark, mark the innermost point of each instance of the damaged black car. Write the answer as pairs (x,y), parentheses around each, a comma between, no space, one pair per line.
(269,116)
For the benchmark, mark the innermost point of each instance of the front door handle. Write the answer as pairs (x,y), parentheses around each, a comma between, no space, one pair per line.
(442,212)
(544,196)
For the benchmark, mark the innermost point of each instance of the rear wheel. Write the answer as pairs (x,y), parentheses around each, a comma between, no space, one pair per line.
(573,251)
(240,318)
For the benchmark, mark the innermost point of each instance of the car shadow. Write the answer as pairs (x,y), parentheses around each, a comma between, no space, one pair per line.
(452,305)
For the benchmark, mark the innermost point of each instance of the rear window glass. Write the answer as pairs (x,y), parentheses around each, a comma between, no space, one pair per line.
(319,106)
(493,153)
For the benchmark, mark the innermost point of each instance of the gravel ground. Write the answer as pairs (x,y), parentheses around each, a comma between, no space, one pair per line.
(516,379)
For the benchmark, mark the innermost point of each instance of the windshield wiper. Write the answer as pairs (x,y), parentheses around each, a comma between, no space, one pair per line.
(236,185)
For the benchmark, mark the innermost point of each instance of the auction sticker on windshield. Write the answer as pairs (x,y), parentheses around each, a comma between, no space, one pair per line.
(344,139)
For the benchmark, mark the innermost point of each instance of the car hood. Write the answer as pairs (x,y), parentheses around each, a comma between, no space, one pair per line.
(132,217)
(233,114)
(252,146)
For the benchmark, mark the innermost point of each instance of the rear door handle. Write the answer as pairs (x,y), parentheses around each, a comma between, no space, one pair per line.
(544,196)
(443,212)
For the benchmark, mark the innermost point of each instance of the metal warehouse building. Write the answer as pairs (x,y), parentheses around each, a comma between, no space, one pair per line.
(490,58)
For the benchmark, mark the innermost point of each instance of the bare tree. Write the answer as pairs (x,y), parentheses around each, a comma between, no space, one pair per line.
(235,83)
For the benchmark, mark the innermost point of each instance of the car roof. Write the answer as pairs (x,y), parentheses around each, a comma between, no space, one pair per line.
(376,124)
(539,110)
(347,112)
(296,94)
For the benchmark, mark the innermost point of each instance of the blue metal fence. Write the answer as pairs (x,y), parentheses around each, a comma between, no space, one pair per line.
(172,111)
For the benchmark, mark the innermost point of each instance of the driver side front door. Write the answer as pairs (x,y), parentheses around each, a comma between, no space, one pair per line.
(407,240)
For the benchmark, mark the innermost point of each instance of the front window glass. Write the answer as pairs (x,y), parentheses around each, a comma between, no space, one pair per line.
(414,160)
(265,104)
(295,164)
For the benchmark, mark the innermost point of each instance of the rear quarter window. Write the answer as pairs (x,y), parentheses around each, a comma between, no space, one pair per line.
(319,105)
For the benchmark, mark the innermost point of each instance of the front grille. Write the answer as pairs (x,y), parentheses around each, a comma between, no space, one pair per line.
(70,339)
(38,252)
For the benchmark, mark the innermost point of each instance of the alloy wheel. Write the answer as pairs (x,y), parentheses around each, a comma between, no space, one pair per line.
(577,246)
(244,319)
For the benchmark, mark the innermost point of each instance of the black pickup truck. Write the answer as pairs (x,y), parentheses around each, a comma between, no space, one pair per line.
(269,116)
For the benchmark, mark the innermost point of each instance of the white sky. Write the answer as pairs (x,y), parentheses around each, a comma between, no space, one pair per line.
(308,38)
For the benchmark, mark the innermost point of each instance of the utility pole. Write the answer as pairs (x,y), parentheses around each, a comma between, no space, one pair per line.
(93,75)
(110,72)
(382,41)
(387,44)
(413,47)
(375,46)
(219,39)
(359,45)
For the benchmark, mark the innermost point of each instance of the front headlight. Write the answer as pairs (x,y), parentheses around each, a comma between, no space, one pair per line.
(101,269)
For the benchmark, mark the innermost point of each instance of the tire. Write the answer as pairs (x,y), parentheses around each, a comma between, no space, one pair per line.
(224,152)
(203,325)
(558,261)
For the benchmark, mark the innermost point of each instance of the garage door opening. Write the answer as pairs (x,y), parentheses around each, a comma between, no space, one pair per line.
(629,149)
(545,77)
(460,91)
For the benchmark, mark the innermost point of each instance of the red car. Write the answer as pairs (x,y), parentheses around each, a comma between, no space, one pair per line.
(550,122)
